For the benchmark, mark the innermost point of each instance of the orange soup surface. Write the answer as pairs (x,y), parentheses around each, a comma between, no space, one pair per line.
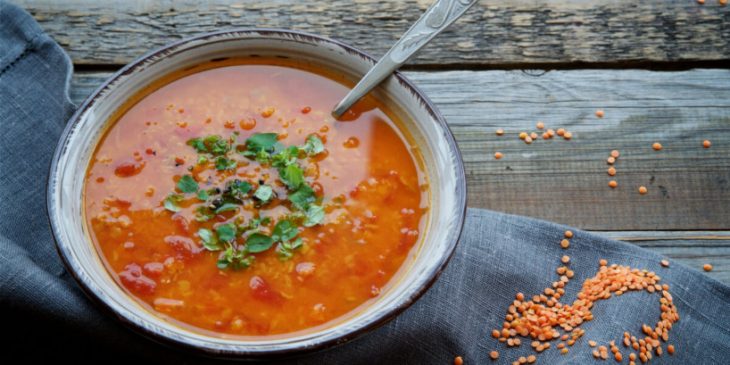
(231,201)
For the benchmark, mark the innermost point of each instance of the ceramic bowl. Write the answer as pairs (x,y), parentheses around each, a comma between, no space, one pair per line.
(421,119)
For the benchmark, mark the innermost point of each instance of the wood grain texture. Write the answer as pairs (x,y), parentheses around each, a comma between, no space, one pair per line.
(492,33)
(566,181)
(691,248)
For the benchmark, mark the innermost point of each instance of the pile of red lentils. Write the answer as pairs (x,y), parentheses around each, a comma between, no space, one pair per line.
(543,318)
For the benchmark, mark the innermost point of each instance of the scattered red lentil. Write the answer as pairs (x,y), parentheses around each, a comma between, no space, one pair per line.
(565,259)
(523,135)
(494,355)
(458,361)
(528,139)
(706,143)
(568,135)
(611,160)
(614,154)
(551,133)
(642,190)
(611,171)
(599,113)
(568,234)
(656,146)
(533,135)
(722,2)
(498,155)
(561,131)
(707,267)
(564,243)
(670,349)
(540,125)
(665,263)
(500,131)
(612,184)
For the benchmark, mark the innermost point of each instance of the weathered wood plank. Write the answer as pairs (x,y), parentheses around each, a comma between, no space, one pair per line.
(691,248)
(566,181)
(492,33)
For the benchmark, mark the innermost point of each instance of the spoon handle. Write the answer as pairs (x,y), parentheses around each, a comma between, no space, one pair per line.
(439,16)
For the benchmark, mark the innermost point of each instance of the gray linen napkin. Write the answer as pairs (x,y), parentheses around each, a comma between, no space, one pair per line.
(44,313)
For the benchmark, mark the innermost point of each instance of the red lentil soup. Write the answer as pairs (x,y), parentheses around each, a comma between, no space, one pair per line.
(227,198)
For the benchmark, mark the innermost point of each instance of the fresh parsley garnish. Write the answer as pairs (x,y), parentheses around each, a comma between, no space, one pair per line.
(264,193)
(187,184)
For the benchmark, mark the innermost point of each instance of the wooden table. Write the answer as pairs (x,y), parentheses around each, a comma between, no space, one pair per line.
(657,68)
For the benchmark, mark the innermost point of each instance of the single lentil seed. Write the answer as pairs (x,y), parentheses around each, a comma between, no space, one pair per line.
(458,361)
(642,190)
(656,146)
(599,113)
(564,243)
(523,135)
(568,234)
(565,259)
(665,263)
(528,139)
(561,131)
(611,160)
(568,135)
(612,184)
(707,267)
(533,135)
(540,125)
(706,144)
(611,171)
(500,131)
(494,355)
(498,155)
(670,349)
(615,154)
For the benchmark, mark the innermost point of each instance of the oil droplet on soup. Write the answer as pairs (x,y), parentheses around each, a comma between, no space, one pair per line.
(148,183)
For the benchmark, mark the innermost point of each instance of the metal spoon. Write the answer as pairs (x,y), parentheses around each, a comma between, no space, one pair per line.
(439,16)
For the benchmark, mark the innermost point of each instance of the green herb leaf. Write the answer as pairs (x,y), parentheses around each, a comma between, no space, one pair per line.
(223,163)
(222,263)
(292,176)
(217,145)
(226,232)
(261,141)
(284,231)
(226,207)
(172,202)
(203,214)
(198,144)
(314,215)
(203,195)
(264,193)
(240,187)
(187,184)
(210,241)
(313,145)
(302,197)
(285,157)
(258,242)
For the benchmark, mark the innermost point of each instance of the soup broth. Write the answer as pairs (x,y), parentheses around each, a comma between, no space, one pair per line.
(229,200)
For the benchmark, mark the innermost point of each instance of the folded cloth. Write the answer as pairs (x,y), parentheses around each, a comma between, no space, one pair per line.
(44,313)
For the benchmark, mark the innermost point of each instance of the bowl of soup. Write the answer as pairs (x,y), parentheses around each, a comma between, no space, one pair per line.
(205,196)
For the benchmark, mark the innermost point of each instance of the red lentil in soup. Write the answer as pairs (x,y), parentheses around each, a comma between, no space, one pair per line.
(229,200)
